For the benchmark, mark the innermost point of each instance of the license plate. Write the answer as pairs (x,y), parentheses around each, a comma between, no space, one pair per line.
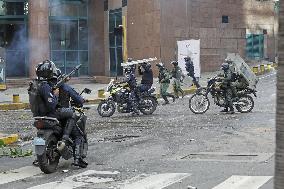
(39,141)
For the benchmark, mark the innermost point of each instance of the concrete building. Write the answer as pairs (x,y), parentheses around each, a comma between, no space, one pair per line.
(70,32)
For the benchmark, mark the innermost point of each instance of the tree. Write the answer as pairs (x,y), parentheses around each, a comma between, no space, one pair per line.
(279,154)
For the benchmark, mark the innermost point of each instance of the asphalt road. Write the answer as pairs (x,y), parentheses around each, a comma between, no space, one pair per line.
(172,149)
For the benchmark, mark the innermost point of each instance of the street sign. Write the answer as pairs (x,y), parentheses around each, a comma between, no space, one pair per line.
(2,69)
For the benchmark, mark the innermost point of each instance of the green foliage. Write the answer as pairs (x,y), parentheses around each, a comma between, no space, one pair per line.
(14,152)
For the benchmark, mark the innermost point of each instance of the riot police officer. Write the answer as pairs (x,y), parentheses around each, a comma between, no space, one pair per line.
(189,66)
(47,73)
(227,86)
(132,82)
(164,80)
(178,77)
(147,77)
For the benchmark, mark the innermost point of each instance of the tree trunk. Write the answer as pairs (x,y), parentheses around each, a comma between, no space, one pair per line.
(279,155)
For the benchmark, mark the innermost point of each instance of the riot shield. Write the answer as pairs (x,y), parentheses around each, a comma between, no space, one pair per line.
(240,67)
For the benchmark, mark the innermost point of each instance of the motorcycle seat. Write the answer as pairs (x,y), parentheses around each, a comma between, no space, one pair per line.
(47,118)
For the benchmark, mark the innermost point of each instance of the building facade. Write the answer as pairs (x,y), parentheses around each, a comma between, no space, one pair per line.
(72,32)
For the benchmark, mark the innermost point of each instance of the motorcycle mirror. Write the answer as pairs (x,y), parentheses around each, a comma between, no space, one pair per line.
(87,91)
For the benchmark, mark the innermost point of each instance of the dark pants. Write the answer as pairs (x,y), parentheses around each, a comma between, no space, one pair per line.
(194,80)
(144,87)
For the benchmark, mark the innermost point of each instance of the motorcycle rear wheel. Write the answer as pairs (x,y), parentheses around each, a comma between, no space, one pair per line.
(149,106)
(199,103)
(49,160)
(245,104)
(106,108)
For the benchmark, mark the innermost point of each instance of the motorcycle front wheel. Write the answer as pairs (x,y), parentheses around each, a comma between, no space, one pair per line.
(49,160)
(106,108)
(245,104)
(199,103)
(148,106)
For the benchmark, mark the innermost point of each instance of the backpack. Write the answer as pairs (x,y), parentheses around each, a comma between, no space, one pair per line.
(35,100)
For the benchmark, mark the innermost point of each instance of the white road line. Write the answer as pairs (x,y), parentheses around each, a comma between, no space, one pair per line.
(267,76)
(158,181)
(243,182)
(79,180)
(18,174)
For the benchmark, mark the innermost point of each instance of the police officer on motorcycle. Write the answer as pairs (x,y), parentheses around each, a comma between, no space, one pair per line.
(48,74)
(147,77)
(189,66)
(227,86)
(130,79)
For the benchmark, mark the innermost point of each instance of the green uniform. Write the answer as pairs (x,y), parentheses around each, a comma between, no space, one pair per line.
(178,76)
(229,90)
(164,80)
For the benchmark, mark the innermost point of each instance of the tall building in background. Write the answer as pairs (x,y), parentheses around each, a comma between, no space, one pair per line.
(72,32)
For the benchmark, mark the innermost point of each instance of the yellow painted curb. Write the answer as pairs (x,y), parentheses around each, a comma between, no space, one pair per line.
(14,106)
(95,101)
(3,87)
(262,68)
(10,139)
(101,93)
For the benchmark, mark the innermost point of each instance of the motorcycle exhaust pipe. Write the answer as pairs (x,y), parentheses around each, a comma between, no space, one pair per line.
(60,146)
(65,151)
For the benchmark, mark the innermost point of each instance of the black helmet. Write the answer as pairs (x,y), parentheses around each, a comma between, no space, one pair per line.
(225,66)
(146,66)
(175,63)
(187,58)
(160,65)
(47,70)
(127,70)
(228,60)
(129,59)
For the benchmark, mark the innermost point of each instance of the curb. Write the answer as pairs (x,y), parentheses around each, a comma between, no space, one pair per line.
(9,139)
(14,106)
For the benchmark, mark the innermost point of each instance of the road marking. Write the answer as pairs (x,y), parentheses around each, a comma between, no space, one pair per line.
(243,182)
(157,181)
(79,180)
(18,174)
(267,76)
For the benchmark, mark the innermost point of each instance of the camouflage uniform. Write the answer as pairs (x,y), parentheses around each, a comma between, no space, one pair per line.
(227,85)
(178,76)
(164,80)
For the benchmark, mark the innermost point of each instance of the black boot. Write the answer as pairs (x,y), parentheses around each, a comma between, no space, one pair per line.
(78,160)
(225,110)
(173,97)
(231,111)
(166,100)
(68,129)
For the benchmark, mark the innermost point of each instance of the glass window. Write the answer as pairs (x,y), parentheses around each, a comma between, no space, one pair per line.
(83,34)
(225,19)
(13,8)
(69,34)
(83,55)
(68,8)
(115,42)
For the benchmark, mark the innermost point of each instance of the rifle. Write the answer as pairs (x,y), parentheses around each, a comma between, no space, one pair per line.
(64,78)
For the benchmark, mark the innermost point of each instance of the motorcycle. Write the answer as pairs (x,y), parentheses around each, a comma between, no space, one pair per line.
(199,102)
(48,146)
(119,97)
